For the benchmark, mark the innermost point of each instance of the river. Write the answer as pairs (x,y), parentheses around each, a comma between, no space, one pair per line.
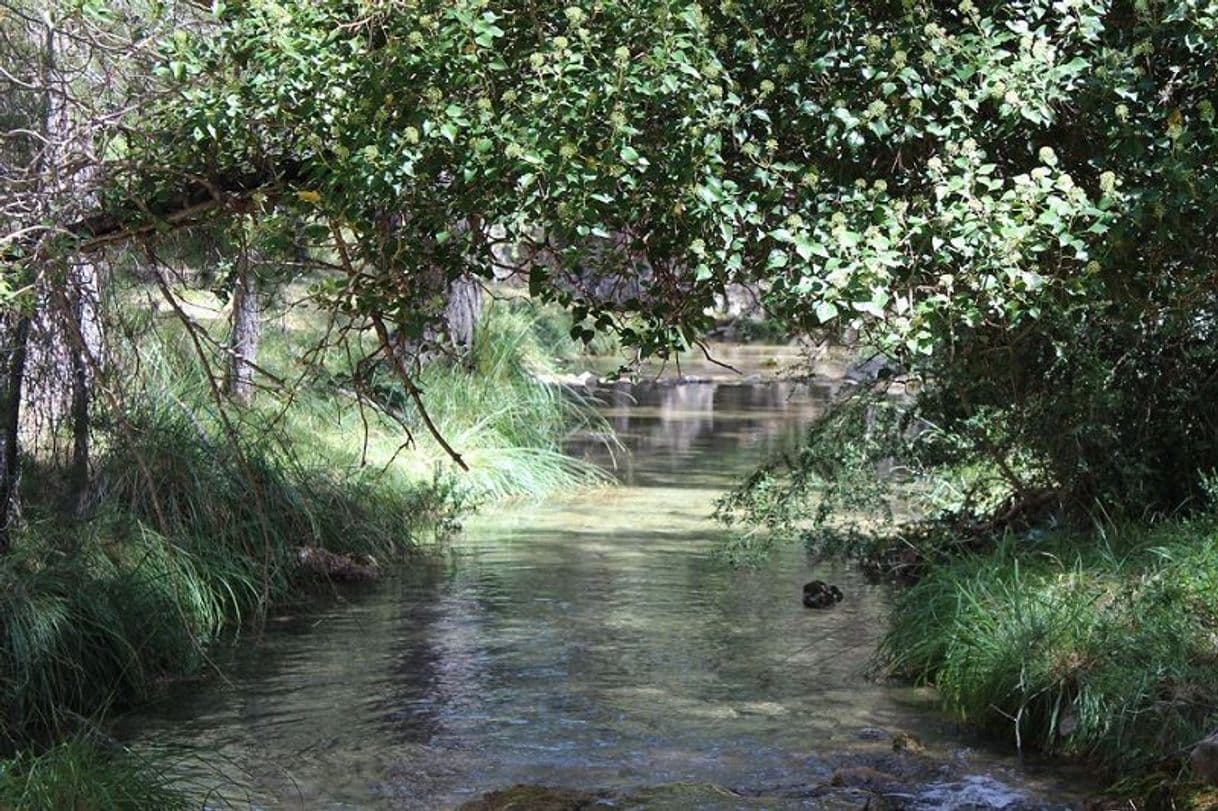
(592,641)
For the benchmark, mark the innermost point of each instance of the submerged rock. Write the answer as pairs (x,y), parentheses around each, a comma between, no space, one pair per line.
(975,792)
(914,784)
(524,797)
(905,742)
(1204,758)
(819,594)
(334,566)
(684,796)
(865,777)
(872,734)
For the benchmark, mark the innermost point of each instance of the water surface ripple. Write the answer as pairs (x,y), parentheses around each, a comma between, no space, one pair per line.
(591,641)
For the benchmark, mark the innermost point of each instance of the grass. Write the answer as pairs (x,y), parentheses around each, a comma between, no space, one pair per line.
(86,775)
(94,613)
(551,327)
(1103,648)
(507,426)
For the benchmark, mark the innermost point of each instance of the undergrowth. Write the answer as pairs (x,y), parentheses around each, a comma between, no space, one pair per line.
(1101,647)
(195,535)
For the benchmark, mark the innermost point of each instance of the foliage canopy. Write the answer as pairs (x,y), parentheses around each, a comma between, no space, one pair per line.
(1015,198)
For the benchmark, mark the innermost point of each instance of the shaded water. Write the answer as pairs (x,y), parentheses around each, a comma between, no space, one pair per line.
(591,641)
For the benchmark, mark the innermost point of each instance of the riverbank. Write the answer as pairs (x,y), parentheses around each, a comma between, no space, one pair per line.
(207,515)
(1098,648)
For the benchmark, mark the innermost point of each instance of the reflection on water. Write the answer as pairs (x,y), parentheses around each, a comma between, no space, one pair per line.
(589,641)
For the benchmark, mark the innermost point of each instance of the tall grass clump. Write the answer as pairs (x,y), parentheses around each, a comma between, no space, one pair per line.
(553,328)
(83,775)
(85,628)
(1102,648)
(195,535)
(507,423)
(195,530)
(492,406)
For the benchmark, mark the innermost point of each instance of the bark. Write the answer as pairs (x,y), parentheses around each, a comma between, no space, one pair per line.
(85,352)
(463,311)
(10,439)
(451,332)
(243,346)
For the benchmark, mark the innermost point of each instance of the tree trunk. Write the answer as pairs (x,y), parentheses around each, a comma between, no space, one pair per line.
(462,312)
(243,345)
(10,438)
(63,345)
(84,349)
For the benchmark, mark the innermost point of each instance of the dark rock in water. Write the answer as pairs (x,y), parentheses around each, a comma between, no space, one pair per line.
(866,778)
(872,734)
(887,782)
(905,742)
(819,594)
(677,797)
(1204,758)
(533,798)
(334,566)
(906,779)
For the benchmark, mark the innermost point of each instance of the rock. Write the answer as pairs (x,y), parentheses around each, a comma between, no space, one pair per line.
(872,734)
(588,380)
(865,777)
(334,566)
(869,370)
(819,594)
(1204,758)
(532,798)
(976,791)
(905,742)
(672,796)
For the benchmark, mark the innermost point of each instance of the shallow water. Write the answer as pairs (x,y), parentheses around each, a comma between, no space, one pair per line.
(591,641)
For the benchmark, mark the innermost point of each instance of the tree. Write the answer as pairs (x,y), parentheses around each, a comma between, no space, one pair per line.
(961,183)
(243,347)
(70,74)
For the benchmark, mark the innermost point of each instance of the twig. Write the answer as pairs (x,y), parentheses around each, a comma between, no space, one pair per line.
(701,344)
(395,357)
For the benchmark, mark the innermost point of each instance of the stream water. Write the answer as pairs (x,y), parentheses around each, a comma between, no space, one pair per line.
(590,641)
